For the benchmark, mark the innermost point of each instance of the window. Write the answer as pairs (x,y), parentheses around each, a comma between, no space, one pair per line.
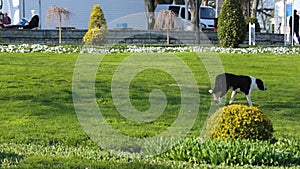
(183,14)
(207,13)
(175,9)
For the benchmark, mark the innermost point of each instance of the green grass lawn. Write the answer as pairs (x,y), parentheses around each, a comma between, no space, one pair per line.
(36,106)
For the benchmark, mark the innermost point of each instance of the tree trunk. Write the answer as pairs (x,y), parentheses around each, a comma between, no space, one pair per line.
(60,27)
(150,6)
(192,4)
(168,37)
(255,4)
(245,6)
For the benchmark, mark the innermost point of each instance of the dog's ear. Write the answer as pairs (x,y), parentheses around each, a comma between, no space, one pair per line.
(260,85)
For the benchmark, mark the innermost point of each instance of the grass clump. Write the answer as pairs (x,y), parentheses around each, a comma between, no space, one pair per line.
(232,152)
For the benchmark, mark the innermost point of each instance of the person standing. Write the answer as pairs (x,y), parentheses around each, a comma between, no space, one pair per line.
(279,28)
(296,26)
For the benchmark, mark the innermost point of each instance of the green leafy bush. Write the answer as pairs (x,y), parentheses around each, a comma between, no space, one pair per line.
(231,24)
(97,30)
(240,122)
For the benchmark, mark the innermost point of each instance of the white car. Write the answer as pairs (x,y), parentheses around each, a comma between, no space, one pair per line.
(207,14)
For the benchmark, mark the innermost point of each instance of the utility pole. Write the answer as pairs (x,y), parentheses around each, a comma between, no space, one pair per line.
(1,4)
(23,10)
(40,13)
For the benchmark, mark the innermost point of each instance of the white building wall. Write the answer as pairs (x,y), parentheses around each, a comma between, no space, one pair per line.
(131,12)
(12,7)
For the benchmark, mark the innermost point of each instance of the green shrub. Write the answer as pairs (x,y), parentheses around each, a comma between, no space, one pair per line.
(240,122)
(231,24)
(97,30)
(96,36)
(253,20)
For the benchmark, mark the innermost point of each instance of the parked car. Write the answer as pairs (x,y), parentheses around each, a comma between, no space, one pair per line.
(207,14)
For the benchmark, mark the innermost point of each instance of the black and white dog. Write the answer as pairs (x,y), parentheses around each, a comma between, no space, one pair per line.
(238,83)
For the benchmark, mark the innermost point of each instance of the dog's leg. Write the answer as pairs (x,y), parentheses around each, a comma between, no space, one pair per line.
(233,94)
(215,97)
(249,99)
(220,99)
(223,94)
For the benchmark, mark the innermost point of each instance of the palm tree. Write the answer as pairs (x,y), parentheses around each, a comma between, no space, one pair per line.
(56,15)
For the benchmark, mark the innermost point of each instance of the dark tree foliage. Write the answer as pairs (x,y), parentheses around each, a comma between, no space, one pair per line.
(255,21)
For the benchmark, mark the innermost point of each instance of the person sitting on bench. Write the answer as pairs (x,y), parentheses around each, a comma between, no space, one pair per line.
(33,23)
(5,20)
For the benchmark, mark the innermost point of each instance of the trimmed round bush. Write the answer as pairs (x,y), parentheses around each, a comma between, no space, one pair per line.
(239,122)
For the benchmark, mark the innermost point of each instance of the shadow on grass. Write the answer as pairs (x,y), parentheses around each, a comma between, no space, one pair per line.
(9,158)
(282,105)
(76,163)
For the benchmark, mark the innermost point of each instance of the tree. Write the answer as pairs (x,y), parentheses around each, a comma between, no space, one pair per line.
(97,18)
(167,20)
(150,6)
(56,15)
(194,17)
(97,29)
(231,25)
(253,10)
(266,12)
(244,3)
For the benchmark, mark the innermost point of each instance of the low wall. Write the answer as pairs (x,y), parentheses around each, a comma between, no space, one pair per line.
(19,36)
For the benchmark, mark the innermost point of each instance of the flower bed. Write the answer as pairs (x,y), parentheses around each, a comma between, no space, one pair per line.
(30,48)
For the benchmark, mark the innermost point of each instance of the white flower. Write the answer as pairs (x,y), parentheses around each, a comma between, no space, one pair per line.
(27,48)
